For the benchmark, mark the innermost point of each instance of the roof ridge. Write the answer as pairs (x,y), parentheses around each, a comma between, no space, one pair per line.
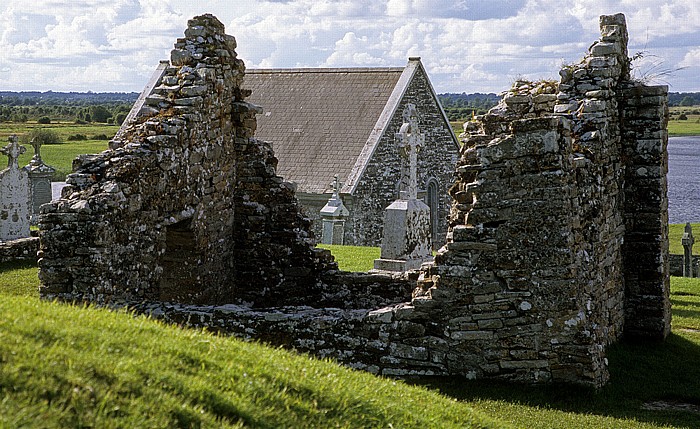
(326,70)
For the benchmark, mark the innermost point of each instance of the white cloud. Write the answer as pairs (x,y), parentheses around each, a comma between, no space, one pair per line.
(466,45)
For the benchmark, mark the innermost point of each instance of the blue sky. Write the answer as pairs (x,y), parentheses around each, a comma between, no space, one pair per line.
(466,45)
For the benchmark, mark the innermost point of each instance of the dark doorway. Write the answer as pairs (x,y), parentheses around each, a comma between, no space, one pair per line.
(179,281)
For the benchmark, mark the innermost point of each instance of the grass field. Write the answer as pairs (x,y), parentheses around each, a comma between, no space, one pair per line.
(61,156)
(675,233)
(353,258)
(72,366)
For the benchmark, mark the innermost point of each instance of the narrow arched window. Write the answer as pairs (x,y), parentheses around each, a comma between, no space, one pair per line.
(433,201)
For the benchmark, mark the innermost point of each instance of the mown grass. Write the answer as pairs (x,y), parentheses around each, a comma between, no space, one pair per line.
(353,258)
(71,366)
(60,156)
(675,233)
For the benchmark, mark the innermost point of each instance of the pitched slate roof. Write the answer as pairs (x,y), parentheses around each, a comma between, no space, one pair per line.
(324,122)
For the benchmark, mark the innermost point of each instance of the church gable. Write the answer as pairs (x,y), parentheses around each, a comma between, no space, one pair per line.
(328,122)
(378,185)
(318,120)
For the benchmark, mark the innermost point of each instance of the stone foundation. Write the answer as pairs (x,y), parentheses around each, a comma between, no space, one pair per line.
(22,249)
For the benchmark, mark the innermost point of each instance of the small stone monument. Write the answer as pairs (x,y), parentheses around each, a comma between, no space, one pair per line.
(406,240)
(39,181)
(333,215)
(14,195)
(687,241)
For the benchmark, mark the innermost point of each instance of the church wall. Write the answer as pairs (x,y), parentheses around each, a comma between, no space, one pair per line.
(378,187)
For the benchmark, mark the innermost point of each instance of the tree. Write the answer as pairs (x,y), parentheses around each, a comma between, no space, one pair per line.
(687,101)
(44,120)
(44,135)
(99,113)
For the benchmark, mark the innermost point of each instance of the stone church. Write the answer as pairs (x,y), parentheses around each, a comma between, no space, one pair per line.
(324,122)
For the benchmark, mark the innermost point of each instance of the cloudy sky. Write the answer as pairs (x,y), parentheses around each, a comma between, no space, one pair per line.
(466,45)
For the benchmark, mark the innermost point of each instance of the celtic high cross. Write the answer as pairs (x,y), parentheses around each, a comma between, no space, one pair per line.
(410,141)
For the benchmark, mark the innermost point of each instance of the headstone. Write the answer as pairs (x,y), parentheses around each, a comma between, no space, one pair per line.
(406,241)
(40,176)
(333,215)
(687,241)
(14,195)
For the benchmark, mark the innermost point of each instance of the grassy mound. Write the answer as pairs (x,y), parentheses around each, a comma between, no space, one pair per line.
(67,366)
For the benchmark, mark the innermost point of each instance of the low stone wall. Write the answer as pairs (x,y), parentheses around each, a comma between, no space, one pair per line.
(676,265)
(20,249)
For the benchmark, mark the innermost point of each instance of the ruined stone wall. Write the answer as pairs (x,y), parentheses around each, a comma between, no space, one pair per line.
(183,206)
(645,250)
(379,185)
(557,244)
(21,249)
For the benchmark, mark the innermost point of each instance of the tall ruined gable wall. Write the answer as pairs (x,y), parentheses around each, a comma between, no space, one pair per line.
(542,212)
(157,217)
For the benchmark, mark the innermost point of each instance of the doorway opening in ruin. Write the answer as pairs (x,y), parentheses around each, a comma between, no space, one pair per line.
(433,202)
(180,280)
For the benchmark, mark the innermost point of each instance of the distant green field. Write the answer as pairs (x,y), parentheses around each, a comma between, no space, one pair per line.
(61,156)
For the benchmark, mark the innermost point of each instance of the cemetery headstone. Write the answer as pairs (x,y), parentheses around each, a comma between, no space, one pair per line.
(14,194)
(333,215)
(687,241)
(406,239)
(39,180)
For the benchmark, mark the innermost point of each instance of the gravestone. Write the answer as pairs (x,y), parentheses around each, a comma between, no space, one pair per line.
(14,195)
(406,240)
(687,241)
(39,181)
(333,215)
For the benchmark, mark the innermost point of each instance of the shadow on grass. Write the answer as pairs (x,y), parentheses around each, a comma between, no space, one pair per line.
(639,373)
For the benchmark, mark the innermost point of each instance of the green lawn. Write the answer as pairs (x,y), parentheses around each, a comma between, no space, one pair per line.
(353,258)
(72,366)
(61,156)
(675,233)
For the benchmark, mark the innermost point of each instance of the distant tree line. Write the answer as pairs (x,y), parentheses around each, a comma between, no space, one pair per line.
(78,107)
(459,107)
(684,99)
(112,107)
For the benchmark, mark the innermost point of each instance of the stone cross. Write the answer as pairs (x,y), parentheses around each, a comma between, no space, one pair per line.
(687,241)
(36,144)
(410,141)
(336,185)
(13,150)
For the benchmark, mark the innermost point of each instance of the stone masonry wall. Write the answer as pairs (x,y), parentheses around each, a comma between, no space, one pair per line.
(435,160)
(557,245)
(645,251)
(184,204)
